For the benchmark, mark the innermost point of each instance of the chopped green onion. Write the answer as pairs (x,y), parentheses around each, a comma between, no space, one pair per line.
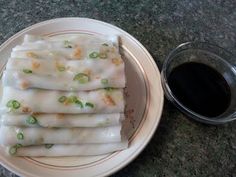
(67,44)
(48,146)
(9,104)
(20,136)
(62,99)
(91,105)
(18,145)
(16,104)
(94,55)
(31,120)
(13,104)
(72,99)
(105,44)
(27,71)
(78,102)
(13,150)
(104,81)
(61,68)
(103,55)
(108,88)
(82,78)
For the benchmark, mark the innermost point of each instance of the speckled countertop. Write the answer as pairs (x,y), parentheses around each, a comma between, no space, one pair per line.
(180,147)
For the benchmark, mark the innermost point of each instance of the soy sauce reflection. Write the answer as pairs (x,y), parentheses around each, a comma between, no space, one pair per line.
(200,88)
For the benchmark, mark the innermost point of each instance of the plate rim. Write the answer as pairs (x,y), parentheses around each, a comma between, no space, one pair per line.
(20,171)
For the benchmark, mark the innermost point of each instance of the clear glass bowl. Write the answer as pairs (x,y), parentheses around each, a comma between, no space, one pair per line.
(214,56)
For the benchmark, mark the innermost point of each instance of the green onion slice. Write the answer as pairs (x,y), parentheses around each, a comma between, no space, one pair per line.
(13,104)
(108,88)
(88,104)
(20,136)
(67,44)
(104,81)
(31,120)
(82,78)
(78,102)
(27,71)
(61,68)
(62,99)
(105,44)
(93,55)
(72,99)
(103,55)
(13,150)
(48,146)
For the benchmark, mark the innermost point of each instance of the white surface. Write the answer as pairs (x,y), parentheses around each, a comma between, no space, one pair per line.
(144,103)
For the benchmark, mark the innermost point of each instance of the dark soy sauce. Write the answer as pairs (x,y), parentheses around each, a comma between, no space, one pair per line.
(200,88)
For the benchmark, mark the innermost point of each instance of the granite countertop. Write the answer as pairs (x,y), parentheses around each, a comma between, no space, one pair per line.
(180,147)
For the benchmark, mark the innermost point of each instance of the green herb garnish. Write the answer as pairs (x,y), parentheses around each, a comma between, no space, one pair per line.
(94,55)
(62,99)
(82,78)
(72,99)
(31,120)
(91,105)
(104,81)
(20,136)
(61,68)
(13,104)
(105,44)
(78,102)
(108,88)
(67,44)
(48,146)
(13,150)
(27,71)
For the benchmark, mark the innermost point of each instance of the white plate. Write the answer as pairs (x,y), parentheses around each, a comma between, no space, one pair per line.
(144,98)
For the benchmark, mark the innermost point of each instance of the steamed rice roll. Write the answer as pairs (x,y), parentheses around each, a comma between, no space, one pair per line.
(68,75)
(10,136)
(56,150)
(71,47)
(45,101)
(62,120)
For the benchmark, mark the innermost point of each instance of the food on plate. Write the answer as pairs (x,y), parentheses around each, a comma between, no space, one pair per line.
(53,101)
(66,150)
(68,75)
(10,135)
(63,96)
(62,120)
(68,47)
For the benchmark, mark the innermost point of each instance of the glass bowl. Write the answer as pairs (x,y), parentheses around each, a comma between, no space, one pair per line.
(211,55)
